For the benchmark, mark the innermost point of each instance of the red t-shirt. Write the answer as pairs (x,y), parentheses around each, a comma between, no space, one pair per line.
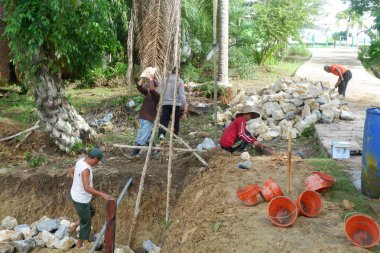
(236,129)
(337,66)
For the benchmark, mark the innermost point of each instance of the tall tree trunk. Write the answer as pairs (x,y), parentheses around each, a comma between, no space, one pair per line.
(223,44)
(65,126)
(130,42)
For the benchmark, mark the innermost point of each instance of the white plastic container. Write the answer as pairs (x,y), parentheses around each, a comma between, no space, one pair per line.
(340,149)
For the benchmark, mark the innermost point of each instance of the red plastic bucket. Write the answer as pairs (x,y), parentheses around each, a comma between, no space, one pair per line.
(315,183)
(362,230)
(330,180)
(309,204)
(270,190)
(282,211)
(249,194)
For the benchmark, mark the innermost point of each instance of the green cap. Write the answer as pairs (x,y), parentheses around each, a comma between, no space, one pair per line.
(96,153)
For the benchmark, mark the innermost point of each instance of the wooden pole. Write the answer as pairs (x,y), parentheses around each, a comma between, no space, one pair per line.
(177,58)
(109,238)
(289,162)
(188,147)
(158,148)
(103,230)
(214,45)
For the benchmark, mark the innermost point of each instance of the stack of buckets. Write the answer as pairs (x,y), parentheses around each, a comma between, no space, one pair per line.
(361,229)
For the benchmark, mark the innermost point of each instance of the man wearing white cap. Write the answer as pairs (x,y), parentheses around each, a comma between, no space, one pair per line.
(147,86)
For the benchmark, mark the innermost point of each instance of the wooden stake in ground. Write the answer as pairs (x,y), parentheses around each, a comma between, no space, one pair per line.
(170,163)
(289,163)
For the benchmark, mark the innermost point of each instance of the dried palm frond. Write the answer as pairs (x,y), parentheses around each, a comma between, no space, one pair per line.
(156,29)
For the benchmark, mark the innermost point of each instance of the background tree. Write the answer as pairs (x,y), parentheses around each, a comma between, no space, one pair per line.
(276,21)
(47,35)
(373,6)
(352,19)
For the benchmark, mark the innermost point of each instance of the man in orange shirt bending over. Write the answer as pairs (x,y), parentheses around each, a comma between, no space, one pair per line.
(344,74)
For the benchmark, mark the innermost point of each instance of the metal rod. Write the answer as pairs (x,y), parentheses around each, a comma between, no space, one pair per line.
(119,199)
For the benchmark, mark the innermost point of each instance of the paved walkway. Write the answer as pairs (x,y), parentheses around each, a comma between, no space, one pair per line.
(363,91)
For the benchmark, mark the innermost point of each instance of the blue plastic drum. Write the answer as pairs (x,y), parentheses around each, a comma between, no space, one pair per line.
(371,154)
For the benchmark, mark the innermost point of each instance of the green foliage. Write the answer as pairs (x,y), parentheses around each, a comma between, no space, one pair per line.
(207,90)
(308,132)
(58,33)
(191,73)
(20,108)
(77,147)
(370,57)
(298,50)
(36,160)
(275,21)
(108,72)
(343,187)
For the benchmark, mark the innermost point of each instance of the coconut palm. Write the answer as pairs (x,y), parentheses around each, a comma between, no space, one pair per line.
(352,19)
(223,43)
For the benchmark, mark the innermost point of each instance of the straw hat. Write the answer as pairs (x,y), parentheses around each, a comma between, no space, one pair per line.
(148,72)
(249,109)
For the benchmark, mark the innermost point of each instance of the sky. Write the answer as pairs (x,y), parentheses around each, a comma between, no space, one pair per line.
(327,19)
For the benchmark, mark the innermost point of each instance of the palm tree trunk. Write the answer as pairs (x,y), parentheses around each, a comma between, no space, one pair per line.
(214,44)
(130,42)
(65,126)
(223,44)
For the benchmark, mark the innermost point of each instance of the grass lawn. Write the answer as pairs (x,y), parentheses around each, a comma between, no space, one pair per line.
(343,187)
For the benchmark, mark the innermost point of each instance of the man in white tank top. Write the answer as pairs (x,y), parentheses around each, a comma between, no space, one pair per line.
(82,191)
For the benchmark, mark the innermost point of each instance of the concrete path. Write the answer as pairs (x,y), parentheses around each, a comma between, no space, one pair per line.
(363,91)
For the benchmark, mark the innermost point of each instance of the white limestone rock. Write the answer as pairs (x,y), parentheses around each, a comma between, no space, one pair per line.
(305,111)
(346,115)
(10,235)
(9,222)
(327,116)
(64,244)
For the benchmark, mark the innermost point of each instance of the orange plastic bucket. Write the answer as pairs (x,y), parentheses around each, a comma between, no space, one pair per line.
(309,204)
(315,183)
(270,190)
(282,211)
(362,230)
(330,180)
(249,194)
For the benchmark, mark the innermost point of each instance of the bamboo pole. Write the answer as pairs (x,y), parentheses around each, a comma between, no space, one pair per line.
(157,148)
(170,163)
(188,147)
(147,159)
(289,162)
(214,44)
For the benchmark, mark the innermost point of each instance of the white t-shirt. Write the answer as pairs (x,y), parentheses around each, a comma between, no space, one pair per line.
(78,194)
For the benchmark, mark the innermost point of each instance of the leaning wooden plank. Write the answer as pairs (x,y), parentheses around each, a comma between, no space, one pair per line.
(20,133)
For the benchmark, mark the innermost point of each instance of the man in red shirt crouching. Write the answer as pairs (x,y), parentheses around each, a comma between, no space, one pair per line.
(236,136)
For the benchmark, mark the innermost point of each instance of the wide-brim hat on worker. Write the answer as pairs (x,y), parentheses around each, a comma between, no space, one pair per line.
(249,109)
(148,72)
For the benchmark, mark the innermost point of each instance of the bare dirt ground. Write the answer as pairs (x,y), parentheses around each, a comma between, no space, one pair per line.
(210,199)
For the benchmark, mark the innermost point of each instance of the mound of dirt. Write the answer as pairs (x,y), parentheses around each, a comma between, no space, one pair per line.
(36,142)
(209,217)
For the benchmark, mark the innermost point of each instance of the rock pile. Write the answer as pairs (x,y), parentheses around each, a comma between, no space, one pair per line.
(44,233)
(290,104)
(49,233)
